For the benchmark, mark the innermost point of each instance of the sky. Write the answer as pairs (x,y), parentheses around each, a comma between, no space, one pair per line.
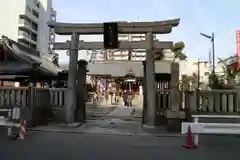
(206,16)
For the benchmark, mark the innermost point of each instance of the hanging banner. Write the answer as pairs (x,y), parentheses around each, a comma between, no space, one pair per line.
(238,46)
(102,83)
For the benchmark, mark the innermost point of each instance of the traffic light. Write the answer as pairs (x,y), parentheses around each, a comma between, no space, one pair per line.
(110,35)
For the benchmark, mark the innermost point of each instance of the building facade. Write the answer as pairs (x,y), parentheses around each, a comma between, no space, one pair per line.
(190,67)
(25,21)
(130,54)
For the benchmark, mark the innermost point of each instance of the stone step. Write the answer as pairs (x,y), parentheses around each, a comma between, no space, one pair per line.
(121,112)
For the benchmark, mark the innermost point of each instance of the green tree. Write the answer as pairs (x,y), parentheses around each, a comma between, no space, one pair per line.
(177,49)
(214,81)
(189,82)
(231,74)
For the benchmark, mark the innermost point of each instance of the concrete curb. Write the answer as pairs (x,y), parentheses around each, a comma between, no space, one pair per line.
(167,135)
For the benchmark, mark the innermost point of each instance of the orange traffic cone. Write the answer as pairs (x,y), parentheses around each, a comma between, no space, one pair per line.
(22,132)
(189,141)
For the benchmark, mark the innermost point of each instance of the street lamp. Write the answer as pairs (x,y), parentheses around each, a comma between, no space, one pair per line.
(213,48)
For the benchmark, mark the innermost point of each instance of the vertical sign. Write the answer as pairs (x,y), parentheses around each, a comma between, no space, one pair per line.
(238,46)
(110,35)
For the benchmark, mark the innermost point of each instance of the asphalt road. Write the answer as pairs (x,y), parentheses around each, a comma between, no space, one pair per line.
(62,146)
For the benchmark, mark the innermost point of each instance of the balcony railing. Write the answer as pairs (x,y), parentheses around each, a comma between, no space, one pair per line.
(24,22)
(30,25)
(24,34)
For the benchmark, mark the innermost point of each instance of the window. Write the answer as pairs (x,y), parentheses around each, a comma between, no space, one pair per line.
(27,44)
(35,13)
(33,46)
(28,8)
(34,26)
(205,64)
(33,37)
(37,3)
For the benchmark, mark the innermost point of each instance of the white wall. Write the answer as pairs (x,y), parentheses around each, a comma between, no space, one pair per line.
(9,16)
(32,4)
(45,15)
(188,67)
(121,68)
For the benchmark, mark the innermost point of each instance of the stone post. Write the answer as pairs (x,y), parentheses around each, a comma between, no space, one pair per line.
(174,115)
(238,99)
(175,87)
(193,102)
(175,103)
(150,82)
(106,93)
(80,111)
(144,114)
(31,103)
(71,94)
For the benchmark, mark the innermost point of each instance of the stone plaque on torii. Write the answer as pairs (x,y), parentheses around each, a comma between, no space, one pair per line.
(149,28)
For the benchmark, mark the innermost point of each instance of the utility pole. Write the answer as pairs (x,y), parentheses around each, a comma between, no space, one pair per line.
(213,51)
(212,38)
(198,74)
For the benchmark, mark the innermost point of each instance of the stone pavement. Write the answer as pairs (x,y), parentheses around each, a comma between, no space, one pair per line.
(121,112)
(119,122)
(137,112)
(99,110)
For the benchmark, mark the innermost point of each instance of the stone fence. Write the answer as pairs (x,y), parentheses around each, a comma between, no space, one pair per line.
(40,100)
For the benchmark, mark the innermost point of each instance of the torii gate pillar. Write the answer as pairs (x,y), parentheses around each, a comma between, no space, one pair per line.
(80,111)
(150,82)
(71,93)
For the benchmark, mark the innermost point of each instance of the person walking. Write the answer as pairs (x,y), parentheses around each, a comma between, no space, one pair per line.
(130,98)
(125,98)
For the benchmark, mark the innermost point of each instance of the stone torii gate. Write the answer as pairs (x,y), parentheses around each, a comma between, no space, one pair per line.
(149,28)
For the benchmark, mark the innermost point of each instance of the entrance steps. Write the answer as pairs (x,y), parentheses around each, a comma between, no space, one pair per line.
(122,112)
(120,121)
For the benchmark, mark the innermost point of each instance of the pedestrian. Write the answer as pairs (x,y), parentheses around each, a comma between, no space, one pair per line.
(117,97)
(130,98)
(125,98)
